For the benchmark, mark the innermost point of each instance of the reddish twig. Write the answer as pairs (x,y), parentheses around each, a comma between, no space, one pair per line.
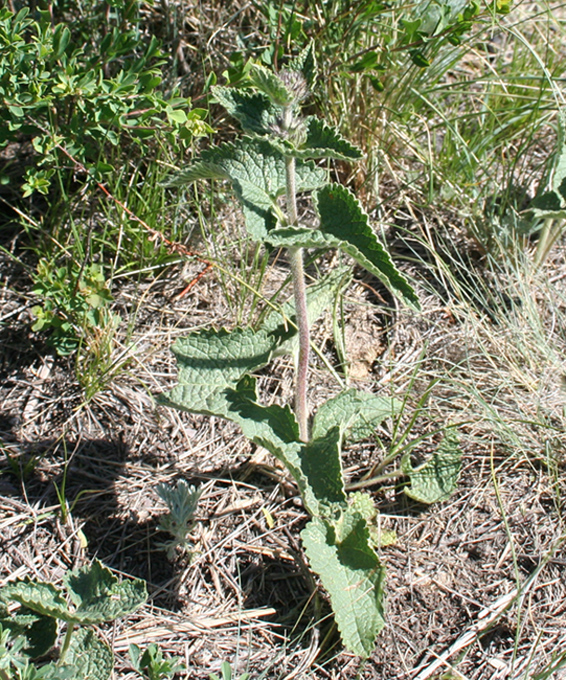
(196,279)
(154,234)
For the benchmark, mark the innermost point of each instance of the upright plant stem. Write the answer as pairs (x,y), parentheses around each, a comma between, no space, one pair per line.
(300,295)
(299,289)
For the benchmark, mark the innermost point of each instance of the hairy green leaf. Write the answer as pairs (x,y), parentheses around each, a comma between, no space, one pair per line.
(253,110)
(342,217)
(38,630)
(99,596)
(211,361)
(257,173)
(352,574)
(316,466)
(322,141)
(92,658)
(437,477)
(358,414)
(270,84)
(321,464)
(344,225)
(305,62)
(39,596)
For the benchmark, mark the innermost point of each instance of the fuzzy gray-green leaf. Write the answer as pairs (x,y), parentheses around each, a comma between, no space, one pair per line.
(305,62)
(342,217)
(257,173)
(92,658)
(437,477)
(344,225)
(352,574)
(253,110)
(210,361)
(357,413)
(99,596)
(322,141)
(38,630)
(316,466)
(270,84)
(43,598)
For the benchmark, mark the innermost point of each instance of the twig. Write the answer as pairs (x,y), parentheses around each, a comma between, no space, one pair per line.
(155,235)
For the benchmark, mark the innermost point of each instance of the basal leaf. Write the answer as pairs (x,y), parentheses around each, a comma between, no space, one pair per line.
(270,84)
(321,464)
(92,658)
(342,217)
(437,477)
(211,361)
(552,202)
(353,576)
(322,141)
(357,413)
(99,596)
(253,110)
(38,596)
(257,173)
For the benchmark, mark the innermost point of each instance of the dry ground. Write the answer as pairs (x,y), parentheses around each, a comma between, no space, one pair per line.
(475,586)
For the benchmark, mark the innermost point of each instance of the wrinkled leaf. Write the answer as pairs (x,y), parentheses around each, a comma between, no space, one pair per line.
(270,84)
(342,217)
(257,173)
(437,477)
(305,62)
(38,630)
(316,466)
(92,658)
(253,110)
(353,576)
(322,141)
(99,596)
(211,361)
(344,225)
(41,597)
(358,414)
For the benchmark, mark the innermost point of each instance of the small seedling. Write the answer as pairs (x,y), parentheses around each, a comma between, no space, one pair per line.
(226,673)
(181,501)
(151,663)
(275,159)
(90,596)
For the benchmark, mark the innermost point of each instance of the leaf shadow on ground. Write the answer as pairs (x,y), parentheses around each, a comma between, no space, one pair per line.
(98,525)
